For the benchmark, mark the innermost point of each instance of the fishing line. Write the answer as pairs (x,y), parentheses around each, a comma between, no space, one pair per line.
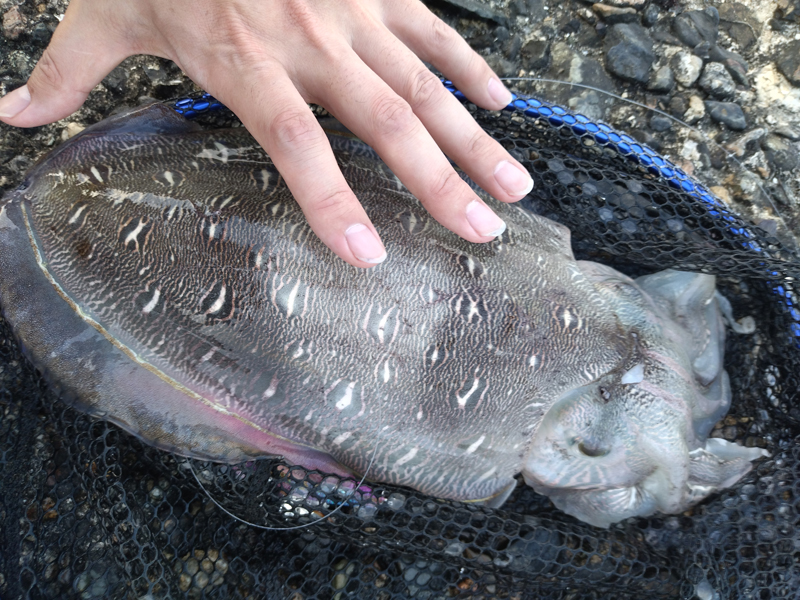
(341,505)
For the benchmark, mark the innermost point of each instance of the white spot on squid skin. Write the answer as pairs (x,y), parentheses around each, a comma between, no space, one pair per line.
(473,310)
(259,258)
(634,375)
(347,399)
(60,175)
(290,300)
(365,324)
(273,387)
(96,174)
(386,372)
(212,228)
(264,179)
(476,445)
(342,437)
(299,352)
(382,325)
(74,218)
(407,456)
(117,197)
(532,361)
(220,301)
(148,308)
(434,355)
(419,415)
(221,154)
(486,475)
(567,316)
(308,416)
(207,356)
(133,235)
(462,400)
(168,176)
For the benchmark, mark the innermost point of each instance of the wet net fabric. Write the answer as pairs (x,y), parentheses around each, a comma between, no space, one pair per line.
(89,512)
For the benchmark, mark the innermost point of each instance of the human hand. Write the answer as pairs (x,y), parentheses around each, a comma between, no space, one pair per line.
(360,59)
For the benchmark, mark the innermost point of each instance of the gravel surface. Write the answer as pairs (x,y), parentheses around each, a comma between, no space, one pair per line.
(730,69)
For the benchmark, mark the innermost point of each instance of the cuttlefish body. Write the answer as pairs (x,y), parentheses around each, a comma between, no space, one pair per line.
(163,278)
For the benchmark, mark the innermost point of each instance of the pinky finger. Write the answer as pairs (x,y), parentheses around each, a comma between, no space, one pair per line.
(434,41)
(282,123)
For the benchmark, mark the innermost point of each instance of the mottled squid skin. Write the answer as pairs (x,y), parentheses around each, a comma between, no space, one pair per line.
(164,278)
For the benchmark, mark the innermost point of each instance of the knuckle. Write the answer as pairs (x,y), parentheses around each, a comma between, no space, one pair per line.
(449,185)
(303,17)
(480,144)
(473,63)
(392,117)
(294,128)
(334,203)
(299,12)
(425,89)
(230,42)
(49,71)
(441,36)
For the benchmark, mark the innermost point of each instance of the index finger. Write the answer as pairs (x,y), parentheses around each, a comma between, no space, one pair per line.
(283,124)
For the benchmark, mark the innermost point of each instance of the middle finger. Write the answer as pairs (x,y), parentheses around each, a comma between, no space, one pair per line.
(361,100)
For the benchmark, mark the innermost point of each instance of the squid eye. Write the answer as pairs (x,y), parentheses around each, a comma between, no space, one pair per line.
(590,451)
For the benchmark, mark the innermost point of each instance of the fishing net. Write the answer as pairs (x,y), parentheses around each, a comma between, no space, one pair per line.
(87,511)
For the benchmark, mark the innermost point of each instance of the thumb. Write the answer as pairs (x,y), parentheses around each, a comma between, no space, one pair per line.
(79,56)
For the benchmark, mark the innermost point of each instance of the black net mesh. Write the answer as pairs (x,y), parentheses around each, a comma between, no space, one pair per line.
(90,512)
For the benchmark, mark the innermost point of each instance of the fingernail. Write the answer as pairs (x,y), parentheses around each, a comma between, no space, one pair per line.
(512,179)
(364,244)
(499,92)
(483,220)
(14,102)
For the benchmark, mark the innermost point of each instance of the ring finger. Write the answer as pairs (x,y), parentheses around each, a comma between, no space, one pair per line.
(456,132)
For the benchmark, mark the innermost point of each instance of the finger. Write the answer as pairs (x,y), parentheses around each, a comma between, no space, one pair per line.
(79,56)
(456,132)
(434,41)
(274,112)
(369,107)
